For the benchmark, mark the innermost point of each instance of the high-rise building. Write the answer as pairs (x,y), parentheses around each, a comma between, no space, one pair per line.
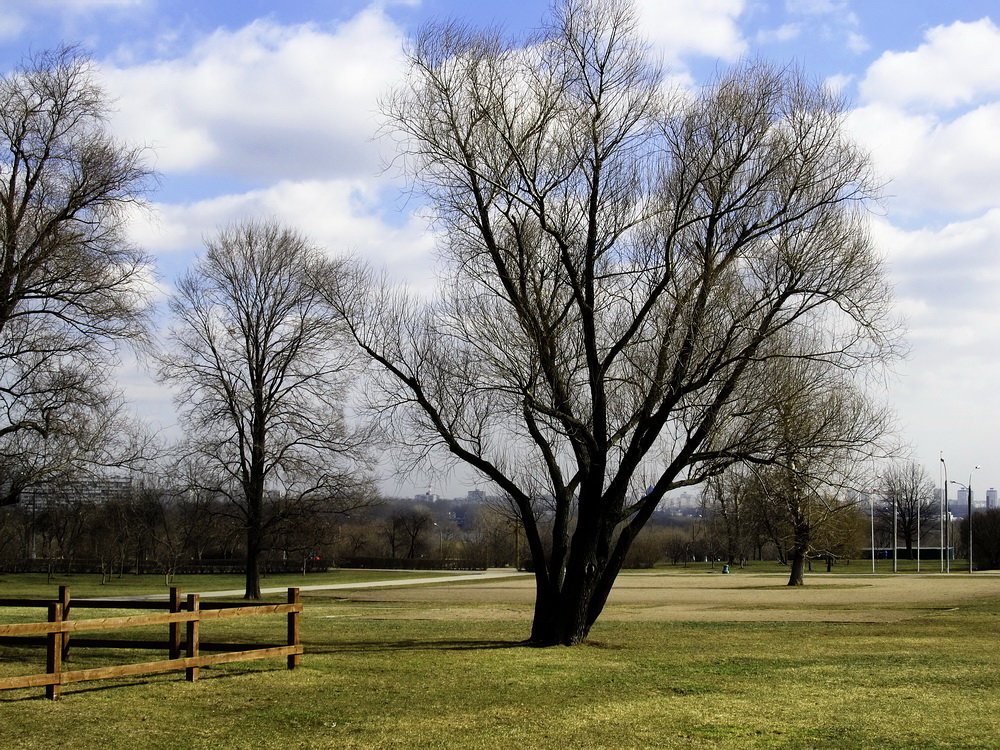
(962,497)
(991,498)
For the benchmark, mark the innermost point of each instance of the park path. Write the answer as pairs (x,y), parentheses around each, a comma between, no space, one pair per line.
(485,575)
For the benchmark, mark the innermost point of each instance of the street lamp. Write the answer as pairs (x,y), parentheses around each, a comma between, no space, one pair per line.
(968,491)
(895,534)
(871,498)
(945,531)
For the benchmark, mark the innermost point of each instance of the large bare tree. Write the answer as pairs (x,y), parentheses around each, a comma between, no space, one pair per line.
(71,286)
(622,264)
(260,369)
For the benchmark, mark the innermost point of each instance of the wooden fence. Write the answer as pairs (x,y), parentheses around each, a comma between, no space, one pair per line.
(55,635)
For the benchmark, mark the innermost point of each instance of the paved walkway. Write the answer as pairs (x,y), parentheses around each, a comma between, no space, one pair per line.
(491,574)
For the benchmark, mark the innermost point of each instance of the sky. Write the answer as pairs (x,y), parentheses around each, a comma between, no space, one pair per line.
(252,108)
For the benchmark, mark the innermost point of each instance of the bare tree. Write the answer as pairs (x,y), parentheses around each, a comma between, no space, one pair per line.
(907,487)
(261,369)
(71,285)
(730,503)
(623,263)
(825,433)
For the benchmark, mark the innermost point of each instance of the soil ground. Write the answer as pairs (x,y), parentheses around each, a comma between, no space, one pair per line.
(698,598)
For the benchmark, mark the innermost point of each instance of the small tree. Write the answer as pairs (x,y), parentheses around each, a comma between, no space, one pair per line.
(909,503)
(262,370)
(824,432)
(729,502)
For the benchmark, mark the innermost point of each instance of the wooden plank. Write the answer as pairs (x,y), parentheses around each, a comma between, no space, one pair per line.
(104,623)
(259,609)
(155,667)
(121,643)
(127,621)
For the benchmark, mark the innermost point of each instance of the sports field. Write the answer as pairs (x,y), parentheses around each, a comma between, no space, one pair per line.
(678,661)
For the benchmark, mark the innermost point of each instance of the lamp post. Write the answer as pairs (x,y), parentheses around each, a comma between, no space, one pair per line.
(946,521)
(871,498)
(968,491)
(895,534)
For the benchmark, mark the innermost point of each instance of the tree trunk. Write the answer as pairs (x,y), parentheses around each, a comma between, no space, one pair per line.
(255,497)
(798,559)
(564,615)
(252,567)
(561,618)
(800,548)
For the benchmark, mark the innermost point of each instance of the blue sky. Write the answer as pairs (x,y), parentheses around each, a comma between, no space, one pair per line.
(266,108)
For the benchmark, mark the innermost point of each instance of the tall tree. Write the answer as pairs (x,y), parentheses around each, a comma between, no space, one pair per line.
(71,286)
(261,371)
(623,263)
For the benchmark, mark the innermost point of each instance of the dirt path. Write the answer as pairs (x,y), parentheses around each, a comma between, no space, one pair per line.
(485,575)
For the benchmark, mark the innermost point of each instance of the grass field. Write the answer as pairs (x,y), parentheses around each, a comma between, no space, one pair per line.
(681,659)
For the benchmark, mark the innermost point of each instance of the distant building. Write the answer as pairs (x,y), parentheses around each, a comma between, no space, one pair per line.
(991,498)
(962,496)
(92,490)
(476,496)
(427,497)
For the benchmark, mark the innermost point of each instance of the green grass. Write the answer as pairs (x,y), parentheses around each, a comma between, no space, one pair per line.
(368,682)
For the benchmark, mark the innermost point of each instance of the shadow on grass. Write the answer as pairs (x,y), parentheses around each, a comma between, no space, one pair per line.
(411,644)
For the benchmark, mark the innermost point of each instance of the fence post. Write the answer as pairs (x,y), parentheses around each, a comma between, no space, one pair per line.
(193,635)
(293,627)
(64,601)
(53,653)
(174,639)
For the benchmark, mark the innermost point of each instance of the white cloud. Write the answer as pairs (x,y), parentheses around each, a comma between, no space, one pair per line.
(783,33)
(826,18)
(946,278)
(956,65)
(934,165)
(264,102)
(693,27)
(339,215)
(837,83)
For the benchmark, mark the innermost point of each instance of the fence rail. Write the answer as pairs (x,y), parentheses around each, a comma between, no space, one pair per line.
(57,630)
